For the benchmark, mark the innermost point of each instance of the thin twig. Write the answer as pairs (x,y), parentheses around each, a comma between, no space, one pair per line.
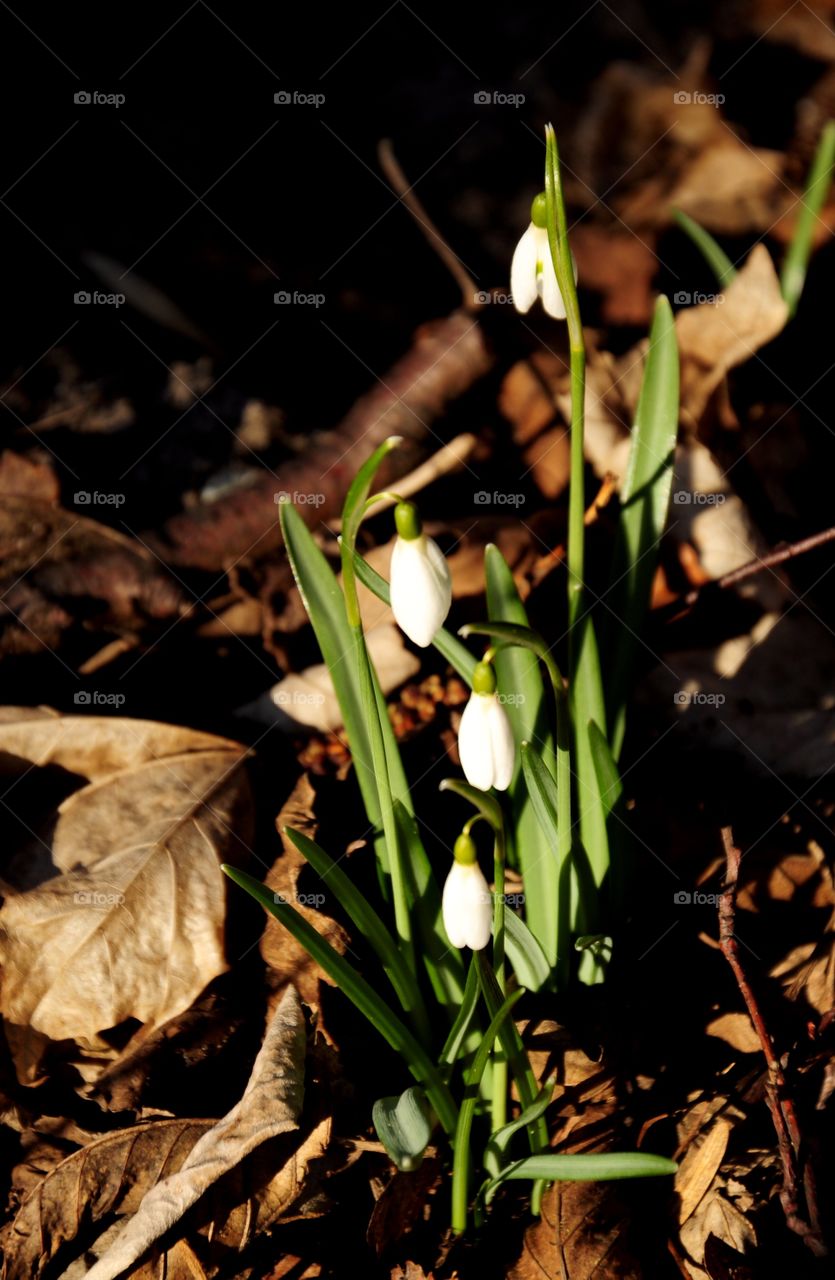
(406,195)
(779,1102)
(787,551)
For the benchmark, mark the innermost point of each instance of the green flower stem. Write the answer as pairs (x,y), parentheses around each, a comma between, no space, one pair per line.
(584,677)
(461,1154)
(561,254)
(499,1061)
(510,633)
(351,518)
(360,993)
(796,263)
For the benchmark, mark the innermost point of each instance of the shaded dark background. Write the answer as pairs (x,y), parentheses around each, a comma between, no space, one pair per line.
(202,186)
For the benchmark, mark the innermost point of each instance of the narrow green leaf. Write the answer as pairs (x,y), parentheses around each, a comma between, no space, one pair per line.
(608,777)
(364,917)
(325,606)
(608,1167)
(796,262)
(461,1157)
(496,1149)
(360,993)
(519,1063)
(353,509)
(525,954)
(404,1126)
(457,655)
(645,500)
(713,253)
(464,1023)
(521,687)
(484,801)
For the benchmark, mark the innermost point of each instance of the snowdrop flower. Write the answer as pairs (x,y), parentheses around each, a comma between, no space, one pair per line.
(421,588)
(467,901)
(532,272)
(485,738)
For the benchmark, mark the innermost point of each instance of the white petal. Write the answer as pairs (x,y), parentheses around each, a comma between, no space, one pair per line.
(421,590)
(523,288)
(549,289)
(467,907)
(502,745)
(546,283)
(474,746)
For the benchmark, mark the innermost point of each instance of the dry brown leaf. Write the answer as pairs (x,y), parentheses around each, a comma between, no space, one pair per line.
(287,958)
(133,928)
(271,1105)
(307,698)
(716,1216)
(95,746)
(714,338)
(737,1030)
(699,1167)
(731,188)
(157,1171)
(583,1234)
(618,264)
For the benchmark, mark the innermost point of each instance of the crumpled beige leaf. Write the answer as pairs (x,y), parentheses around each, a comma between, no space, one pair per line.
(307,698)
(95,746)
(133,928)
(284,956)
(122,1173)
(715,337)
(716,1216)
(271,1104)
(699,1167)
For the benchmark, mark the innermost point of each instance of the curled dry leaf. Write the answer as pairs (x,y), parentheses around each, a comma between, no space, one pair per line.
(133,927)
(285,957)
(307,698)
(158,1170)
(52,557)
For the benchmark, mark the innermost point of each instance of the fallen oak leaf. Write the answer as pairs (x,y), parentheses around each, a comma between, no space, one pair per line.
(95,746)
(158,1170)
(134,927)
(271,1104)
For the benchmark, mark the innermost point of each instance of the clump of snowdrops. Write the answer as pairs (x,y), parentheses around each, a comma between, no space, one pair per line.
(539,752)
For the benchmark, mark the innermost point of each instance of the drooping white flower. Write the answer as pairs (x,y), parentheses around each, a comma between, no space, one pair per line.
(532,272)
(467,903)
(421,587)
(485,738)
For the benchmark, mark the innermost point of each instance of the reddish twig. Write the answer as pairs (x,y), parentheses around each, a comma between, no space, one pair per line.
(780,1104)
(787,551)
